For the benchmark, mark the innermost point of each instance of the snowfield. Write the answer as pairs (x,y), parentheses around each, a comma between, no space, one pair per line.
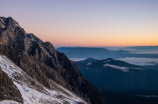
(8,102)
(29,94)
(89,63)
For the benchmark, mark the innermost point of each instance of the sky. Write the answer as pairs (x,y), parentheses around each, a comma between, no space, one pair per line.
(88,23)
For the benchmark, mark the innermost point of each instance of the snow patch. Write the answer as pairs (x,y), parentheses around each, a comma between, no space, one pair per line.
(31,96)
(8,102)
(124,69)
(89,63)
(77,59)
(107,61)
(2,20)
(8,67)
(139,68)
(2,25)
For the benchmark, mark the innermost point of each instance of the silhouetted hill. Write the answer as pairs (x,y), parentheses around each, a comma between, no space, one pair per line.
(101,53)
(91,52)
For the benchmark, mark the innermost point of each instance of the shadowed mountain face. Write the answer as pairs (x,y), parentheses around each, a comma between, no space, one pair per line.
(41,61)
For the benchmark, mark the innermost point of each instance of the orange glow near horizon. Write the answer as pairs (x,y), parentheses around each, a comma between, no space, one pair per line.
(103,23)
(95,38)
(91,36)
(71,39)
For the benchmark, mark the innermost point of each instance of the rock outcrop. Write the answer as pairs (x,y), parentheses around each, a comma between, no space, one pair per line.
(8,91)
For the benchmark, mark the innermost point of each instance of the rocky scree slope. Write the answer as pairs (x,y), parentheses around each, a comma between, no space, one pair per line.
(42,62)
(7,88)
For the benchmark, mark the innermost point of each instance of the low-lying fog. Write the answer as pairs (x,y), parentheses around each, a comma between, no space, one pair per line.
(153,50)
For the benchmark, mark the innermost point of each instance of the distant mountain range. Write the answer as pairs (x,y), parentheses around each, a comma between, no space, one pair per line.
(124,82)
(89,52)
(143,48)
(116,75)
(101,53)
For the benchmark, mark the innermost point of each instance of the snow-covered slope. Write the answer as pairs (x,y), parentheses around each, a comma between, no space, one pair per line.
(8,102)
(35,93)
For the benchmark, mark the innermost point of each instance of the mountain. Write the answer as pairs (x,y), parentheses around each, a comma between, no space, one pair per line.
(120,82)
(151,67)
(91,52)
(118,76)
(142,48)
(39,70)
(103,53)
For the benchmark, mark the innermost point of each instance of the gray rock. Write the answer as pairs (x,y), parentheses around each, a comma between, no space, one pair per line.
(8,91)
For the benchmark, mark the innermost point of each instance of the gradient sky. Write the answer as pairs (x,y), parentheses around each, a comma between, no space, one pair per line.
(87,22)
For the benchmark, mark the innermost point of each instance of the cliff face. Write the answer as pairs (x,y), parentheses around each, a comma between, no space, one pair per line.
(42,62)
(7,88)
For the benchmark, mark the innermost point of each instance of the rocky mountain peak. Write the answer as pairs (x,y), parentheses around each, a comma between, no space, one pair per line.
(8,22)
(42,62)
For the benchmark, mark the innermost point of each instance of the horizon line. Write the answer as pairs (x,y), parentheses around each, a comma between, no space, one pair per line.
(109,46)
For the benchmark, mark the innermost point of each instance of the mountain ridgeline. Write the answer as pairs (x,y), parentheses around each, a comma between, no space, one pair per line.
(42,62)
(103,53)
(115,75)
(92,52)
(120,82)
